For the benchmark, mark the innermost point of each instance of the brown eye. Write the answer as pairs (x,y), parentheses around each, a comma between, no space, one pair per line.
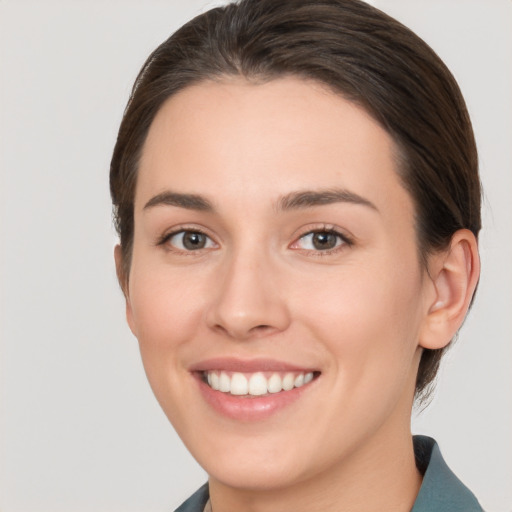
(190,241)
(320,241)
(324,240)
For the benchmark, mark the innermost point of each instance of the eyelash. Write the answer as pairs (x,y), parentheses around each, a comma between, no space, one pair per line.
(344,239)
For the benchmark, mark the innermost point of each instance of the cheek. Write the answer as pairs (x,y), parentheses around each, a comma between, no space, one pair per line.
(370,330)
(166,305)
(167,308)
(368,318)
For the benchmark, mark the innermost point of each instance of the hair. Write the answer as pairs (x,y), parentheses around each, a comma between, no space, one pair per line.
(356,51)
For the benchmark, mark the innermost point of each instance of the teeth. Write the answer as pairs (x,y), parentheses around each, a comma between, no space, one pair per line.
(299,380)
(275,384)
(224,382)
(288,381)
(239,384)
(256,384)
(213,379)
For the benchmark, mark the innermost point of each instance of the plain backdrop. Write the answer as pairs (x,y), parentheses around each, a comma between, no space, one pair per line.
(79,427)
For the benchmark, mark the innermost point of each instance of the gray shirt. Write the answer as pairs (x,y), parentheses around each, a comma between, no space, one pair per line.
(441,490)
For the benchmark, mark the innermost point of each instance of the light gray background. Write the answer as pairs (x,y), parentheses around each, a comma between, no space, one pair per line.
(79,427)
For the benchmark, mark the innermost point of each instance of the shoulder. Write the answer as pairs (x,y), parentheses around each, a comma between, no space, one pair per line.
(441,490)
(196,502)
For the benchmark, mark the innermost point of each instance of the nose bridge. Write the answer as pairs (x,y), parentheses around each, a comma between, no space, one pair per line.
(248,301)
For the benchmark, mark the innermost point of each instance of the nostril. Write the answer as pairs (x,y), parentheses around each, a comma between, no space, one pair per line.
(261,329)
(256,331)
(220,329)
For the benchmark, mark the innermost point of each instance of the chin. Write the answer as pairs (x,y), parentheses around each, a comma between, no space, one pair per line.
(255,477)
(258,464)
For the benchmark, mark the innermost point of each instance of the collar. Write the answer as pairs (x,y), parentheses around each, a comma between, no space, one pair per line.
(441,490)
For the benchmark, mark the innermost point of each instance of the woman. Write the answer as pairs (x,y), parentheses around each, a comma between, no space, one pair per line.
(296,191)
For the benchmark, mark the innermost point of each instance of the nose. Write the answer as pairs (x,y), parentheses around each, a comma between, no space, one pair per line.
(248,302)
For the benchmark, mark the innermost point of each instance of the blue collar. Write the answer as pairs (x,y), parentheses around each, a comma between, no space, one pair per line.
(441,490)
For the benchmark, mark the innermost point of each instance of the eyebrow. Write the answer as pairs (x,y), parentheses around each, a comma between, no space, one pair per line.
(310,198)
(292,201)
(187,201)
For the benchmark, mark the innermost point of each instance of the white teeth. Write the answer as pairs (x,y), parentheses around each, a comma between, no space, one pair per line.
(239,384)
(224,382)
(256,384)
(275,384)
(214,381)
(299,380)
(288,381)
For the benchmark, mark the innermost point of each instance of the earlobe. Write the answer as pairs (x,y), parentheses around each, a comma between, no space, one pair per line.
(454,274)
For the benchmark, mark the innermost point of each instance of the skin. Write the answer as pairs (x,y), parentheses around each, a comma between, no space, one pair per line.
(360,314)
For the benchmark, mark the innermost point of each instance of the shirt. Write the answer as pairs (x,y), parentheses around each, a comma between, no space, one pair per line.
(441,490)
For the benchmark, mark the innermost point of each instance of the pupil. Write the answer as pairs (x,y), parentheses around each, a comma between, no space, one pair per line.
(324,240)
(194,241)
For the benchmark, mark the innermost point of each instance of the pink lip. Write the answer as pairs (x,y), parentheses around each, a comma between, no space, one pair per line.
(247,366)
(245,408)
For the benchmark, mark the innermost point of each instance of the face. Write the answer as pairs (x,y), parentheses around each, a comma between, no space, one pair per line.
(275,286)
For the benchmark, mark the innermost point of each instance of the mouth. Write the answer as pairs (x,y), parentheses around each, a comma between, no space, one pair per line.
(256,384)
(252,390)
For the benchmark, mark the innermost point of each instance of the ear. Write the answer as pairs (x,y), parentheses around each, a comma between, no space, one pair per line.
(122,277)
(454,274)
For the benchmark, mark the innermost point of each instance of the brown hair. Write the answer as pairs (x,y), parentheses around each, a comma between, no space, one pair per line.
(357,51)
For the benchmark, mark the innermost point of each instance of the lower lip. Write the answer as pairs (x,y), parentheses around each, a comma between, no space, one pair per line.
(250,408)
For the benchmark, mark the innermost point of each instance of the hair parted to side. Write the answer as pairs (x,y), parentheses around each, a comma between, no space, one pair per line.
(357,51)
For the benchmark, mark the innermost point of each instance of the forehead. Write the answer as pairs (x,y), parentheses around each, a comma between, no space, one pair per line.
(255,142)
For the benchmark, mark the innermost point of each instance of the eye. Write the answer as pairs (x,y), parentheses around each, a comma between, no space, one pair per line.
(322,240)
(186,240)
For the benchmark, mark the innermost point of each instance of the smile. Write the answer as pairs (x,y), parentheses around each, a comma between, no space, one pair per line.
(257,383)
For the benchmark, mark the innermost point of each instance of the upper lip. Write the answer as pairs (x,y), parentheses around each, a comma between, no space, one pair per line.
(247,365)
